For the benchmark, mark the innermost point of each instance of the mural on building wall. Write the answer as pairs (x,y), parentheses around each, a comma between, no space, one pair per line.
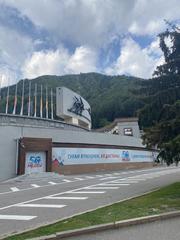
(78,107)
(35,162)
(71,105)
(72,156)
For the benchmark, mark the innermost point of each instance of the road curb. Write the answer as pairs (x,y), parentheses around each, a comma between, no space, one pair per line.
(115,225)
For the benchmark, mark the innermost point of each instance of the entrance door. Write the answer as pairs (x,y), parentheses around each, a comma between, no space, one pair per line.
(35,162)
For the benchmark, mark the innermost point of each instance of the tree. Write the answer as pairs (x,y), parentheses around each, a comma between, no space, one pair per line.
(171,51)
(164,94)
(170,152)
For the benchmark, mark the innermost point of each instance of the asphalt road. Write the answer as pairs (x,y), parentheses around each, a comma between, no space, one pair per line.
(35,202)
(160,230)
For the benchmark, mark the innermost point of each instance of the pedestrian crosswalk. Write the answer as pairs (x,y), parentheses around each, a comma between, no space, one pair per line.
(64,199)
(27,186)
(102,177)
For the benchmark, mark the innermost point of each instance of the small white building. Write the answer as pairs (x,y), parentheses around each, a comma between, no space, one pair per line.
(123,127)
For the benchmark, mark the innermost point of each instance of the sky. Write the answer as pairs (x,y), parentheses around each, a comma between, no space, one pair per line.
(58,37)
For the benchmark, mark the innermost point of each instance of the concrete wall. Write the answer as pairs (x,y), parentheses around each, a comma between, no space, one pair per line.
(8,146)
(88,168)
(11,131)
(16,120)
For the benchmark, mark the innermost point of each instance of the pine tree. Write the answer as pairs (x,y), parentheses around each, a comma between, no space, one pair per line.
(164,93)
(170,45)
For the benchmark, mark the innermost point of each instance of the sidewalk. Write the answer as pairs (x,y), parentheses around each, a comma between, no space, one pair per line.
(115,228)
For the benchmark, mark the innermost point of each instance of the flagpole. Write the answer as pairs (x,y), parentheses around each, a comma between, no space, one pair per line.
(29,99)
(35,100)
(22,100)
(7,98)
(41,104)
(15,100)
(0,91)
(46,102)
(52,115)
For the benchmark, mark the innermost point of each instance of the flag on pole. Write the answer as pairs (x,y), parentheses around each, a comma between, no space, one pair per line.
(29,99)
(52,114)
(41,104)
(7,98)
(46,102)
(0,92)
(22,100)
(15,100)
(35,100)
(0,86)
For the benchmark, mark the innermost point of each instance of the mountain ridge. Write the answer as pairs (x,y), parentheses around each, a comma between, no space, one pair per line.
(109,96)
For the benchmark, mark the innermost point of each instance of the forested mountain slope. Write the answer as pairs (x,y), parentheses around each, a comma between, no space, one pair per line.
(109,96)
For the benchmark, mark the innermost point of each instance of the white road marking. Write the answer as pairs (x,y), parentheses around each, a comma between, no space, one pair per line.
(35,185)
(137,176)
(113,184)
(66,180)
(15,189)
(88,192)
(77,190)
(52,183)
(150,177)
(89,177)
(16,217)
(106,178)
(124,180)
(136,179)
(160,170)
(71,191)
(68,198)
(41,205)
(119,181)
(99,175)
(77,178)
(102,188)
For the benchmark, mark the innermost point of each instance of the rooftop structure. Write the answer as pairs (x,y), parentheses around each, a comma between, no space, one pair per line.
(123,126)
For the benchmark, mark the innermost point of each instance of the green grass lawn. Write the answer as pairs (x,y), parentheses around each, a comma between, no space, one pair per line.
(161,201)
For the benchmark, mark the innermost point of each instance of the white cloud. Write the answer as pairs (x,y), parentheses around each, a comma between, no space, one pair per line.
(91,24)
(148,16)
(96,22)
(14,48)
(7,77)
(136,61)
(83,60)
(83,22)
(60,62)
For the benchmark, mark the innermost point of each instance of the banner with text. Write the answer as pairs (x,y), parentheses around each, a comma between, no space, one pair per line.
(71,156)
